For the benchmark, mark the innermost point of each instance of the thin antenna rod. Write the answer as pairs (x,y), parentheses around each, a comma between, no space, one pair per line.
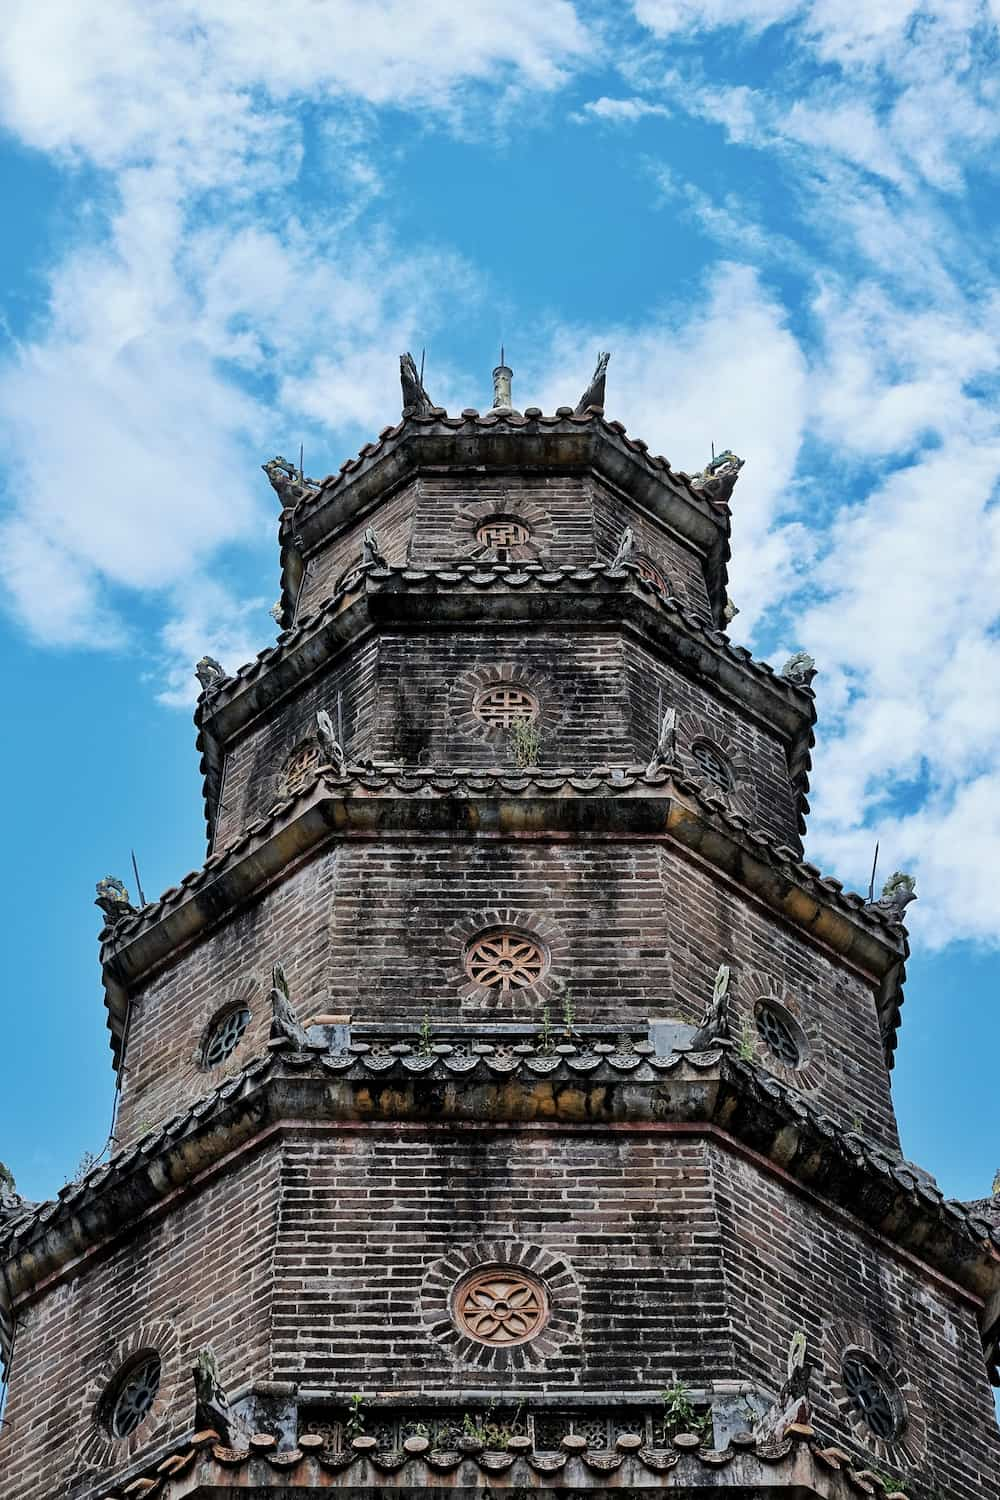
(422,353)
(138,882)
(713,453)
(871,883)
(302,472)
(502,360)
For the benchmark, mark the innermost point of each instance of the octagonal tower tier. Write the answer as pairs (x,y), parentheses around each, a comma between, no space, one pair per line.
(505,1103)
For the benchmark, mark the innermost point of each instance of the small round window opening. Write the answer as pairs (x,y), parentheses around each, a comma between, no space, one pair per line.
(873,1395)
(500,1306)
(503,705)
(780,1034)
(712,764)
(502,532)
(225,1036)
(505,961)
(132,1396)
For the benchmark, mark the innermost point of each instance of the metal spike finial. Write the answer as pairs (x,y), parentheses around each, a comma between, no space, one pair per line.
(502,376)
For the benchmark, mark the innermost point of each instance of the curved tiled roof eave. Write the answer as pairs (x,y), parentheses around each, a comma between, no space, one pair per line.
(714,1089)
(801,1463)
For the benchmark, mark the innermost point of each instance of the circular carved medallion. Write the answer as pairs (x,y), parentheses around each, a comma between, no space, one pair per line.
(500,1306)
(502,705)
(501,532)
(780,1034)
(133,1396)
(504,961)
(873,1395)
(712,764)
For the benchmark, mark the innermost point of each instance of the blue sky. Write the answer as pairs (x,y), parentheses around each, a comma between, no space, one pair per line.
(225,221)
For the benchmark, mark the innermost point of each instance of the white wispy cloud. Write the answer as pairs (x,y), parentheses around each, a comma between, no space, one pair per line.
(200,317)
(617,111)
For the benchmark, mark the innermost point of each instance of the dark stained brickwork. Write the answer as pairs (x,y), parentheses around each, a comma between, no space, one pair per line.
(408,698)
(171,1015)
(199,1277)
(375,1212)
(312,1220)
(788,1266)
(573,519)
(681,1258)
(378,931)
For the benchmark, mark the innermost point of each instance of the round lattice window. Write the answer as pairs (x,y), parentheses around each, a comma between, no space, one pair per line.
(224,1036)
(712,764)
(873,1394)
(503,705)
(650,572)
(501,532)
(781,1035)
(132,1395)
(500,1306)
(299,766)
(505,961)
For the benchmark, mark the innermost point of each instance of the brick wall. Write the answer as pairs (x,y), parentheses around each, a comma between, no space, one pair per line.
(365,1215)
(311,1262)
(408,697)
(572,519)
(379,931)
(170,1015)
(678,564)
(393,522)
(255,762)
(787,1267)
(204,1272)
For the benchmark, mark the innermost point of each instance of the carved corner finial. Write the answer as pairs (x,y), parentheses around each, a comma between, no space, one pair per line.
(897,893)
(370,550)
(285,1024)
(288,482)
(210,673)
(625,549)
(793,1407)
(714,1024)
(799,669)
(666,746)
(416,401)
(11,1202)
(594,394)
(717,480)
(330,747)
(113,900)
(212,1411)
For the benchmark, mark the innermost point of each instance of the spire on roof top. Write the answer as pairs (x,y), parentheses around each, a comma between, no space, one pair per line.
(502,376)
(594,394)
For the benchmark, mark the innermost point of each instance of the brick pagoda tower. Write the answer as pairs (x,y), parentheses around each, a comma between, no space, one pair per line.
(504,1103)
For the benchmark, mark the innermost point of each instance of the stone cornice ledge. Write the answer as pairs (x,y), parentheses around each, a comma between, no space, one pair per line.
(713,1092)
(444,803)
